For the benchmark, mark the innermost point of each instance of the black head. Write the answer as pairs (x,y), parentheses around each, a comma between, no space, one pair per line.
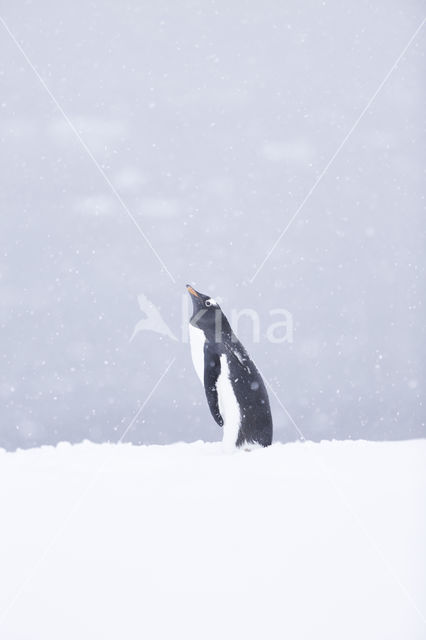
(207,315)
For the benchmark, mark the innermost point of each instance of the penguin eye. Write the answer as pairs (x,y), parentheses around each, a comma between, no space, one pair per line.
(208,303)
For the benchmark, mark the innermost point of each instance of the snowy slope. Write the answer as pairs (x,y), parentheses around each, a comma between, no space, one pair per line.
(297,541)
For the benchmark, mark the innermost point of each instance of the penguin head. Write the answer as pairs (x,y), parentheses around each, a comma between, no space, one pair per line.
(207,315)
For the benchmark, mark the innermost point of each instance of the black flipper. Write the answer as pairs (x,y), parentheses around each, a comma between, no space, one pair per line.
(211,374)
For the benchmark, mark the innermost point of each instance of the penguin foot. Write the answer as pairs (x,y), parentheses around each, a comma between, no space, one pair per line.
(250,446)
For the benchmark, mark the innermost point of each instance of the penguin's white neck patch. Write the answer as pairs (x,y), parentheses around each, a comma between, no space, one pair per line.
(197,340)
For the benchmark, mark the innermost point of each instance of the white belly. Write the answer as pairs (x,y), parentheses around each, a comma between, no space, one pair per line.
(228,406)
(197,340)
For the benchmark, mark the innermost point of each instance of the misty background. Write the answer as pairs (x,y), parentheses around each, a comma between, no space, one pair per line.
(212,120)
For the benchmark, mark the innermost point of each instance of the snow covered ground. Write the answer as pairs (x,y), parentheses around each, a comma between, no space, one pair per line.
(297,541)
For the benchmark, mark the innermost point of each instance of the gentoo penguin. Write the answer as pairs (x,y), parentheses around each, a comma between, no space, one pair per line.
(234,388)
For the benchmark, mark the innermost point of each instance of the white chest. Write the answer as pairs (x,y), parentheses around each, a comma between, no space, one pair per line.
(228,405)
(197,340)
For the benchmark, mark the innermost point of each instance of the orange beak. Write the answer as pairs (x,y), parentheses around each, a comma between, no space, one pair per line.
(192,291)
